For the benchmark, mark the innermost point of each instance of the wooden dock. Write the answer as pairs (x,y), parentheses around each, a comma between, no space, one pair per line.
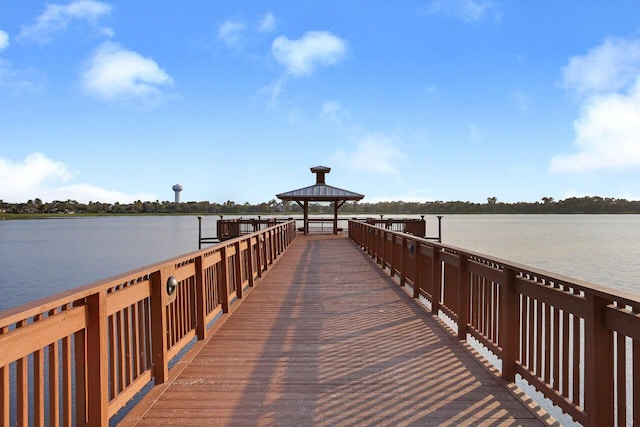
(327,338)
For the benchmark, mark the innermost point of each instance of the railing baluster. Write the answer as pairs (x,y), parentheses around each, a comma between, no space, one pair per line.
(80,370)
(635,374)
(577,378)
(621,383)
(4,388)
(38,383)
(556,348)
(565,354)
(53,354)
(120,353)
(22,385)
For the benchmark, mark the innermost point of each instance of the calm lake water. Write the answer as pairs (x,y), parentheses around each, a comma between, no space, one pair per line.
(42,257)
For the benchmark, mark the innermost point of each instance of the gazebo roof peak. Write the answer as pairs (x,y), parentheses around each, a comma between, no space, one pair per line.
(320,171)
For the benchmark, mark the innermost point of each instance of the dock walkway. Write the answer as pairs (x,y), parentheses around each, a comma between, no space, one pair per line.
(326,338)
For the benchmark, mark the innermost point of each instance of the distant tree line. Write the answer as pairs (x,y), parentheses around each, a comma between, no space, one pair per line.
(546,205)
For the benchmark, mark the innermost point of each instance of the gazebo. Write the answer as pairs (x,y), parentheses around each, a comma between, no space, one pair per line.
(320,192)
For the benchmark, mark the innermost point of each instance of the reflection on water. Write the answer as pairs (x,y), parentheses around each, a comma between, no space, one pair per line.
(43,257)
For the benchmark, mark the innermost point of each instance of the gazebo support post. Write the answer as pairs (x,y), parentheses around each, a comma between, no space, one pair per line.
(306,218)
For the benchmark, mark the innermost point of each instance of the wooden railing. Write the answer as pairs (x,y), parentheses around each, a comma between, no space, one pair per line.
(413,226)
(576,343)
(232,228)
(78,357)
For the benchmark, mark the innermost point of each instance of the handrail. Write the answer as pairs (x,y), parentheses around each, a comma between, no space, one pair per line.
(575,342)
(112,337)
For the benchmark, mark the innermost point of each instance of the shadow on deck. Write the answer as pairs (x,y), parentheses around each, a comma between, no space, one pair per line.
(326,338)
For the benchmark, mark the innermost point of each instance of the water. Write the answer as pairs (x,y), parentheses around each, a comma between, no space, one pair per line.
(601,249)
(42,257)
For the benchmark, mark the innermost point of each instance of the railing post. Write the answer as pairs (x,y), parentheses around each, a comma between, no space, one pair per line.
(259,254)
(436,281)
(598,369)
(159,325)
(250,265)
(97,360)
(263,244)
(392,252)
(403,260)
(224,280)
(237,266)
(374,247)
(509,326)
(463,297)
(269,243)
(383,247)
(417,282)
(201,297)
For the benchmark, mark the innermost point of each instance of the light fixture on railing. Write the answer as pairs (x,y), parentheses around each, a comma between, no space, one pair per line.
(172,285)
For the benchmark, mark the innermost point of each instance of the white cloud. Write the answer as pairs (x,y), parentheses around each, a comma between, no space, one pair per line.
(607,134)
(607,131)
(300,57)
(374,153)
(268,22)
(84,193)
(4,40)
(31,176)
(38,176)
(231,32)
(608,67)
(23,80)
(464,10)
(56,18)
(115,73)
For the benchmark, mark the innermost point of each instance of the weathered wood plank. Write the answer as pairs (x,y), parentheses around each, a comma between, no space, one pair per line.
(328,339)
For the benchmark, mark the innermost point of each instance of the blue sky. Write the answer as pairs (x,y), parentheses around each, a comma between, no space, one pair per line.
(235,100)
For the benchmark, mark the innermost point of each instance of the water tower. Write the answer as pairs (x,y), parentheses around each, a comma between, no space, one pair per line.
(177,189)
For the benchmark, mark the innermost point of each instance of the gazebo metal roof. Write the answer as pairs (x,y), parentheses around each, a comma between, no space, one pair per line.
(320,192)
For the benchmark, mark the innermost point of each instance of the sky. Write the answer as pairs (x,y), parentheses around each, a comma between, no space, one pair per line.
(418,100)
